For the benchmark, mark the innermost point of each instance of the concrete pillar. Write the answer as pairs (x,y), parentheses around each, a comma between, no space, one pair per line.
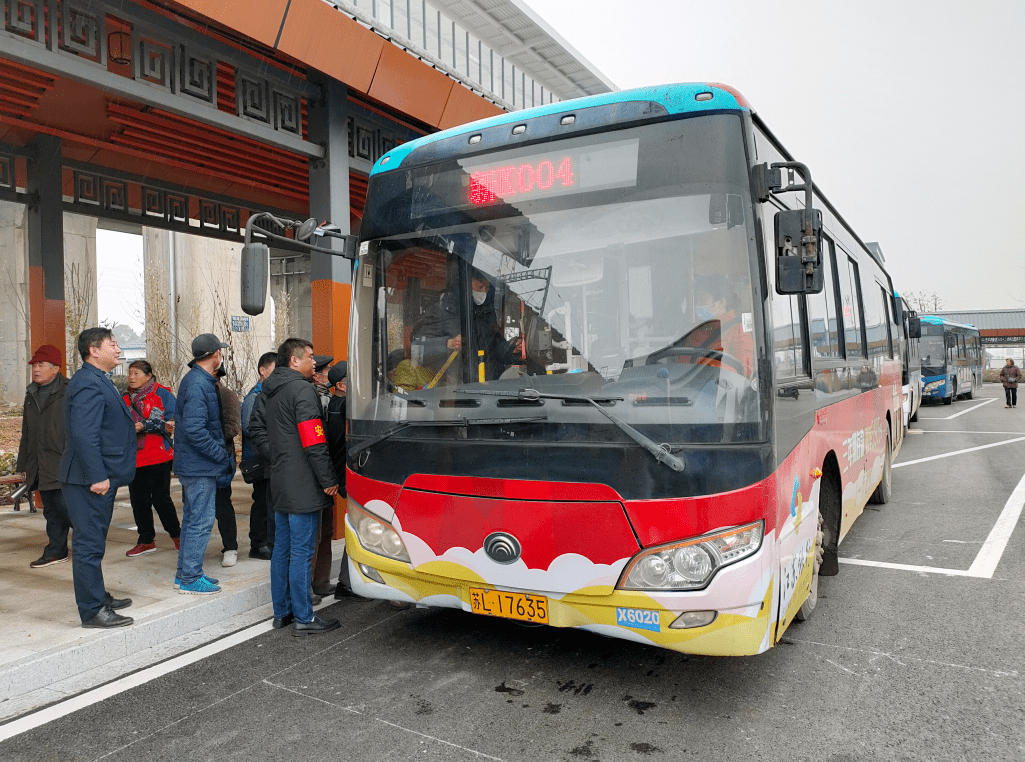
(331,277)
(46,243)
(14,304)
(204,298)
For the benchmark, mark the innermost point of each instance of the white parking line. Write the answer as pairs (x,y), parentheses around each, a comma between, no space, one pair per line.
(955,415)
(985,563)
(957,452)
(908,567)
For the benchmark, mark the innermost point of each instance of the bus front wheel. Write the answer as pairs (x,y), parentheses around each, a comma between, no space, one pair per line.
(953,394)
(804,613)
(882,494)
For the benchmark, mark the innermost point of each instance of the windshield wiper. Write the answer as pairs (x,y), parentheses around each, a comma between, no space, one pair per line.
(660,454)
(462,422)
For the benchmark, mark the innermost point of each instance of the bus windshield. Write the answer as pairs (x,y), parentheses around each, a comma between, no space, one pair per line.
(933,349)
(614,266)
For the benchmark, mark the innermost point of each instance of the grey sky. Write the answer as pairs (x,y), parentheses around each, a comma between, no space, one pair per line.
(909,114)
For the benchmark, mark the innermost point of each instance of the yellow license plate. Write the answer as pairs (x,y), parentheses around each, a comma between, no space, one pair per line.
(526,608)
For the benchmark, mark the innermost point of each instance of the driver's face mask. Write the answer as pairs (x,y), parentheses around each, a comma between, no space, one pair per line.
(480,296)
(702,312)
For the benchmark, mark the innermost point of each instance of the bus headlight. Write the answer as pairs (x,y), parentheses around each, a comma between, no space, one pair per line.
(375,534)
(691,564)
(934,385)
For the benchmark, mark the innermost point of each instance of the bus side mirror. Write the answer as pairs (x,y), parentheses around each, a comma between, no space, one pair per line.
(255,276)
(799,251)
(914,328)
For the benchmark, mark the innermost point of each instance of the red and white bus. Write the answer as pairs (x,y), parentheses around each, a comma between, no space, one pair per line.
(615,364)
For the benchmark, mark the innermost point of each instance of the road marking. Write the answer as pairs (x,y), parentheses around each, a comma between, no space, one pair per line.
(962,431)
(908,567)
(902,659)
(957,452)
(985,563)
(955,415)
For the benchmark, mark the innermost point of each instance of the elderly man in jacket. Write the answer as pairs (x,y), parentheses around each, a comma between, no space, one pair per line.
(200,459)
(41,447)
(289,432)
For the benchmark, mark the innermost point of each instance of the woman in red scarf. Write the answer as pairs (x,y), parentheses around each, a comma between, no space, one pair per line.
(152,409)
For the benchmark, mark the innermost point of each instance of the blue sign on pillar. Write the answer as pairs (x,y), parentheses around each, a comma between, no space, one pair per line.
(240,323)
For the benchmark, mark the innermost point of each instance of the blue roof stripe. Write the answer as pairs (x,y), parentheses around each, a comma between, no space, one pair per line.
(677,99)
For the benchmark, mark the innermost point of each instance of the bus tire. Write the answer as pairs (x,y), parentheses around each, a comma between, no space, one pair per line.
(953,394)
(882,494)
(971,392)
(830,509)
(804,613)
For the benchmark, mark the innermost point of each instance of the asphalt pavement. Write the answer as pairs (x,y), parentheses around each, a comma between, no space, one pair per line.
(915,652)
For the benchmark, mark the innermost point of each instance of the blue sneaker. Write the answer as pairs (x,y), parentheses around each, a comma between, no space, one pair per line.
(201,586)
(211,580)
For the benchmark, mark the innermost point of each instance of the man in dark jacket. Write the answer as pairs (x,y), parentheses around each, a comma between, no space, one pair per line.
(41,447)
(200,459)
(231,425)
(99,457)
(261,519)
(289,433)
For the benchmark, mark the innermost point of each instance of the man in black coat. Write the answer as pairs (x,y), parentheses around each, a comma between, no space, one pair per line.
(99,457)
(289,432)
(41,448)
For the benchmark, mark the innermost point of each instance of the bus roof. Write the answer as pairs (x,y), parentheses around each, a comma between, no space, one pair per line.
(674,99)
(937,320)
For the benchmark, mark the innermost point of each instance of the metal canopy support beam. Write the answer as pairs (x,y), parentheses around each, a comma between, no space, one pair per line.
(46,244)
(331,286)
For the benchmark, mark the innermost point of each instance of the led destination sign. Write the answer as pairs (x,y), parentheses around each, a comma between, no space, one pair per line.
(554,173)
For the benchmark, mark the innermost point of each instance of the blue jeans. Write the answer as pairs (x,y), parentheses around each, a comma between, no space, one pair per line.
(290,572)
(198,493)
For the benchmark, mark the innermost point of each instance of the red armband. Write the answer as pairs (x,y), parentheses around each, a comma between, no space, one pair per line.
(311,432)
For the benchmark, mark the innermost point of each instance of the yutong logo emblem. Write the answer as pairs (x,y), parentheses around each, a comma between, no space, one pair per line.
(502,548)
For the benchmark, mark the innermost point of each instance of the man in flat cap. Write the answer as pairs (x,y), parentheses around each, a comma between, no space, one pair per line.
(200,458)
(41,447)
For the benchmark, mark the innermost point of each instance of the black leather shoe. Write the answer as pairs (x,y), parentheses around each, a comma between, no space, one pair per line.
(116,603)
(284,621)
(262,552)
(325,588)
(314,627)
(343,593)
(107,618)
(315,599)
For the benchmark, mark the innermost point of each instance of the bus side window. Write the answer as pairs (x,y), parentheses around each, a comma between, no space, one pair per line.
(825,337)
(849,296)
(875,323)
(888,317)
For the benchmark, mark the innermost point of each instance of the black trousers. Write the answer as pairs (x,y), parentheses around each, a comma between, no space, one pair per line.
(58,523)
(1011,395)
(226,525)
(151,490)
(261,518)
(90,517)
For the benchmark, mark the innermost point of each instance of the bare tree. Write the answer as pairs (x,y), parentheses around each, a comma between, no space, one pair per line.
(283,323)
(79,293)
(924,301)
(241,354)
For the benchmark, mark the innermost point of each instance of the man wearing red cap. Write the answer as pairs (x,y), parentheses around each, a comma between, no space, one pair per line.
(41,447)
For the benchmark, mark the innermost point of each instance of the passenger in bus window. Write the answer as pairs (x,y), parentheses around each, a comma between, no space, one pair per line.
(437,341)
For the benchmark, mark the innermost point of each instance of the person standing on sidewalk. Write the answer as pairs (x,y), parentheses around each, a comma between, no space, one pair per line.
(1010,376)
(261,526)
(41,447)
(326,529)
(200,458)
(152,408)
(231,426)
(99,457)
(302,483)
